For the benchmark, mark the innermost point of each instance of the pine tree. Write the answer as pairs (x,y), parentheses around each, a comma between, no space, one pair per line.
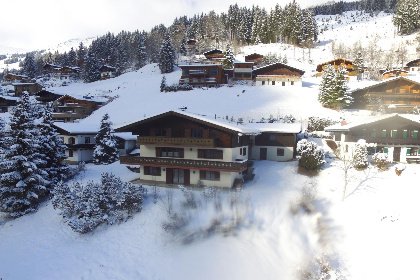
(81,54)
(141,52)
(29,66)
(167,56)
(229,58)
(91,73)
(72,57)
(407,16)
(360,158)
(358,64)
(22,183)
(53,150)
(106,150)
(333,89)
(163,84)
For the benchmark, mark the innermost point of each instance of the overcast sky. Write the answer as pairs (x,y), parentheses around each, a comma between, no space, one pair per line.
(37,24)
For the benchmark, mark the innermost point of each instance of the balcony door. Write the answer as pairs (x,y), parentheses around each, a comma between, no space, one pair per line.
(177,176)
(263,153)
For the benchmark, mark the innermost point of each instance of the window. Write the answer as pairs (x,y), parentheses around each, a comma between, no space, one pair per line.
(273,83)
(71,140)
(170,152)
(244,152)
(185,72)
(213,71)
(196,133)
(272,137)
(153,171)
(280,152)
(384,133)
(292,83)
(87,140)
(283,84)
(374,133)
(394,134)
(160,132)
(263,83)
(210,153)
(209,175)
(70,153)
(405,132)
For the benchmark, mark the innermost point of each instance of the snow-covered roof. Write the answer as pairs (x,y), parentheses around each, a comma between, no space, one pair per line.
(200,65)
(367,120)
(278,64)
(246,128)
(6,97)
(385,82)
(127,136)
(78,128)
(84,97)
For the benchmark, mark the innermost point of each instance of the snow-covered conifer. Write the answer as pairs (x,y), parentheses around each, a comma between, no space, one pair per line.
(360,158)
(53,150)
(167,56)
(22,182)
(311,157)
(163,84)
(229,59)
(106,150)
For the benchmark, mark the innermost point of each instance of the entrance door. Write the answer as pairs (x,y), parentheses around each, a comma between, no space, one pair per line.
(397,154)
(178,176)
(263,153)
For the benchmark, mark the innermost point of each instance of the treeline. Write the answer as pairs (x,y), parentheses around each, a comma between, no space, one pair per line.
(363,5)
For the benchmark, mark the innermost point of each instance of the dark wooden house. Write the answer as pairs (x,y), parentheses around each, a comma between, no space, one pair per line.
(108,72)
(395,135)
(31,88)
(393,74)
(182,148)
(69,108)
(214,54)
(7,102)
(394,95)
(243,70)
(45,96)
(348,64)
(256,58)
(278,74)
(16,78)
(209,75)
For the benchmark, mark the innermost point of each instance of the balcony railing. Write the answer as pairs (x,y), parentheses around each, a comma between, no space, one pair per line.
(385,140)
(231,166)
(198,81)
(175,141)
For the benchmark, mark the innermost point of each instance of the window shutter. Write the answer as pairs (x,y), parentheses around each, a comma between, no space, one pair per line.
(405,133)
(158,152)
(416,132)
(384,133)
(217,175)
(409,151)
(374,133)
(200,153)
(394,134)
(181,153)
(202,175)
(385,150)
(240,151)
(219,154)
(188,132)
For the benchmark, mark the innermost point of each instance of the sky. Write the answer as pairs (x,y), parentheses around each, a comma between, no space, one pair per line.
(27,25)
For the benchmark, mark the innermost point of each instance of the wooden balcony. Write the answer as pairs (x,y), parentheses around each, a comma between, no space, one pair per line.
(231,166)
(385,140)
(176,142)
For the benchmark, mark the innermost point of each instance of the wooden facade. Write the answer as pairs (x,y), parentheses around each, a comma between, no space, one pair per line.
(395,134)
(393,74)
(107,72)
(256,58)
(214,54)
(243,70)
(278,74)
(348,64)
(45,96)
(210,75)
(68,108)
(31,88)
(7,102)
(395,95)
(15,78)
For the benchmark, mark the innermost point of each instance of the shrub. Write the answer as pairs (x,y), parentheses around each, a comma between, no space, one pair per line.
(360,158)
(381,160)
(84,207)
(318,124)
(311,157)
